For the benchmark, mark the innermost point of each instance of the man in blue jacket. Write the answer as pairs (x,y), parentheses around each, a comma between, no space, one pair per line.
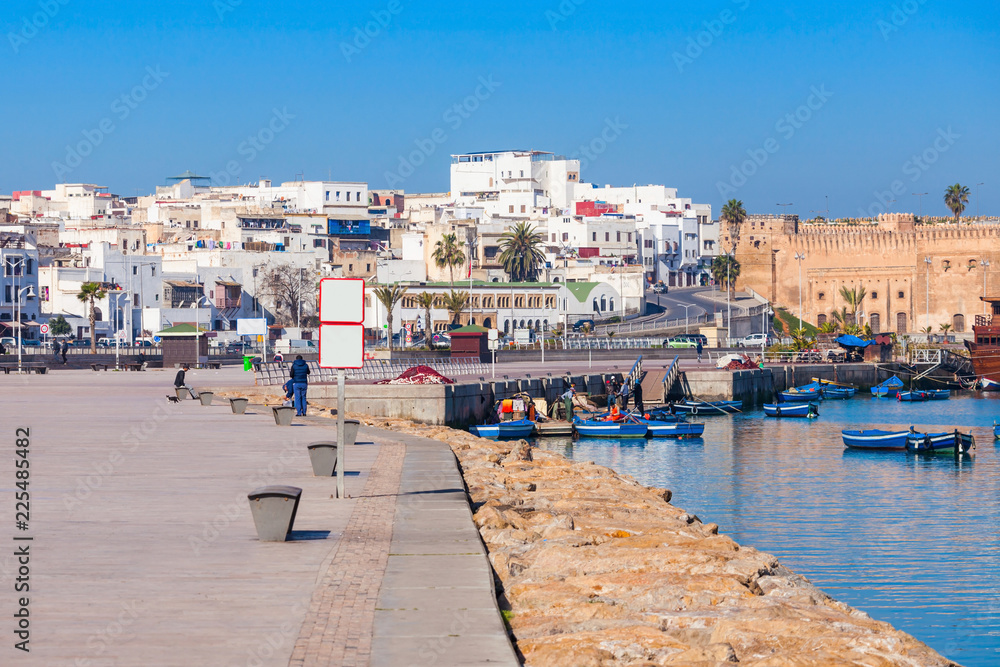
(300,384)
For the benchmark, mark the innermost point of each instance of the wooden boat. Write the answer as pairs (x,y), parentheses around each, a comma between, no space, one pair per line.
(808,410)
(875,439)
(996,431)
(987,384)
(705,409)
(985,348)
(838,393)
(836,385)
(600,429)
(512,430)
(888,389)
(553,429)
(800,394)
(912,396)
(938,394)
(929,443)
(677,429)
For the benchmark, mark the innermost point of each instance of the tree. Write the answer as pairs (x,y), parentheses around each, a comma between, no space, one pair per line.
(89,294)
(520,252)
(725,271)
(956,197)
(927,330)
(288,287)
(841,319)
(58,326)
(735,214)
(448,253)
(456,303)
(390,296)
(854,297)
(426,301)
(828,327)
(945,328)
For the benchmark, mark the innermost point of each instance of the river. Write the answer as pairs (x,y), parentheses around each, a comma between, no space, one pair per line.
(912,540)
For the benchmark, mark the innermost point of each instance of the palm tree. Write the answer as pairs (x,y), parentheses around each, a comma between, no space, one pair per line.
(853,297)
(734,214)
(89,294)
(520,252)
(956,197)
(390,296)
(725,271)
(841,319)
(448,253)
(945,328)
(828,327)
(426,301)
(456,303)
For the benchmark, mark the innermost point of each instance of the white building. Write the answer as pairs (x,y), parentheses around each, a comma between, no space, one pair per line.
(18,279)
(515,184)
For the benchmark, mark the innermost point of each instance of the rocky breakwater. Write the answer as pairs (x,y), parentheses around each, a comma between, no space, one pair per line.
(598,570)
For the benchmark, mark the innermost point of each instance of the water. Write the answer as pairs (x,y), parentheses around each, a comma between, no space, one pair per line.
(912,540)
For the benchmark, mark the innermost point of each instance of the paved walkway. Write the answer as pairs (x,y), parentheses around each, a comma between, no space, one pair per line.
(144,550)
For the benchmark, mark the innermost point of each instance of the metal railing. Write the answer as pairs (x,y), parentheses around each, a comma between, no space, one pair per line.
(653,325)
(926,356)
(270,374)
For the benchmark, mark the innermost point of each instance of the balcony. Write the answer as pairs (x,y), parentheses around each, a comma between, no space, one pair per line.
(223,304)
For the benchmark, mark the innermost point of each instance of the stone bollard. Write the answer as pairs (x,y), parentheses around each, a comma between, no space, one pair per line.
(239,405)
(182,394)
(273,509)
(206,397)
(323,456)
(283,416)
(351,427)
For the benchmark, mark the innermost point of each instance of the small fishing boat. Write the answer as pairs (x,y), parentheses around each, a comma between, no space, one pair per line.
(875,439)
(808,410)
(662,415)
(800,394)
(601,429)
(930,443)
(706,409)
(888,389)
(938,394)
(836,385)
(996,431)
(510,430)
(677,429)
(838,393)
(912,396)
(987,384)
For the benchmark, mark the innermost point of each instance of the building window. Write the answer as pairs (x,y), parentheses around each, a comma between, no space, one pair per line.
(901,322)
(630,237)
(359,196)
(607,236)
(821,320)
(348,196)
(565,236)
(523,208)
(874,295)
(821,296)
(338,195)
(510,208)
(594,236)
(875,322)
(958,323)
(619,238)
(901,295)
(553,238)
(327,195)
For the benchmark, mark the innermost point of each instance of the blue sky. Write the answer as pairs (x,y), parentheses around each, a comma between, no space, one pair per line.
(692,95)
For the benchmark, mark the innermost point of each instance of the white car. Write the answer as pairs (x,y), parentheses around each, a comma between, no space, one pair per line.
(756,340)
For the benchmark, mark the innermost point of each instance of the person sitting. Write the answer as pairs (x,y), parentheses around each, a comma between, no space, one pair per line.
(180,381)
(616,413)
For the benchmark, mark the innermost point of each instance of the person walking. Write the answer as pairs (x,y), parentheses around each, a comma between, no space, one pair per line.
(300,383)
(699,348)
(55,350)
(180,381)
(65,349)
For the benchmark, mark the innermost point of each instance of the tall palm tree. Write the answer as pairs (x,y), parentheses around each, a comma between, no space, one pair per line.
(426,301)
(854,297)
(89,294)
(448,253)
(841,319)
(456,303)
(390,296)
(956,197)
(735,214)
(520,252)
(725,271)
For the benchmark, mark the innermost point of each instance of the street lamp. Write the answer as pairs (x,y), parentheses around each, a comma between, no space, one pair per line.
(31,295)
(977,199)
(920,197)
(685,307)
(799,256)
(927,308)
(785,206)
(986,266)
(197,328)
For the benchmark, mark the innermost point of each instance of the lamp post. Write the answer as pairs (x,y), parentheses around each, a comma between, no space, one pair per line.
(686,311)
(197,328)
(799,256)
(785,211)
(927,307)
(920,197)
(977,199)
(986,266)
(729,305)
(31,295)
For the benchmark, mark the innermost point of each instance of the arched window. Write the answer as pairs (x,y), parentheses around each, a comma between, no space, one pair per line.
(506,326)
(488,323)
(596,308)
(98,315)
(611,305)
(875,322)
(820,320)
(901,323)
(522,324)
(958,323)
(604,304)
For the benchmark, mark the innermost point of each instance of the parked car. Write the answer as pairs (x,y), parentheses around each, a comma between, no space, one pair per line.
(660,288)
(441,340)
(8,341)
(80,342)
(679,343)
(756,340)
(580,324)
(296,346)
(694,338)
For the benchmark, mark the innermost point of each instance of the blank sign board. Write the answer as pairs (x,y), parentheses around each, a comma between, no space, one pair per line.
(342,301)
(341,346)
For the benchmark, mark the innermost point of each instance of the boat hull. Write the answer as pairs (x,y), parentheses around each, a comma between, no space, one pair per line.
(589,429)
(800,396)
(912,397)
(987,384)
(882,440)
(805,410)
(931,443)
(938,394)
(838,394)
(513,430)
(673,430)
(716,408)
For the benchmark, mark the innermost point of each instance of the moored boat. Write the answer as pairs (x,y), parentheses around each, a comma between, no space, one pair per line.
(489,431)
(888,389)
(928,443)
(706,409)
(996,431)
(837,385)
(987,384)
(838,393)
(509,430)
(602,429)
(780,410)
(875,439)
(984,349)
(912,396)
(678,429)
(938,394)
(801,394)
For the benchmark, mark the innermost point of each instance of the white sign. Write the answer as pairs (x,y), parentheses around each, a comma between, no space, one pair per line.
(341,346)
(494,345)
(342,301)
(44,329)
(251,327)
(494,334)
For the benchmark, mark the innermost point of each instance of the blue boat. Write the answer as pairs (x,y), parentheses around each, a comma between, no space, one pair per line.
(800,394)
(808,410)
(838,393)
(931,443)
(987,384)
(600,429)
(706,409)
(875,439)
(938,394)
(912,396)
(512,430)
(996,431)
(888,389)
(677,429)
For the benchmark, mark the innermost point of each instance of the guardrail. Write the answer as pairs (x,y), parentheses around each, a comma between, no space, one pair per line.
(652,325)
(276,373)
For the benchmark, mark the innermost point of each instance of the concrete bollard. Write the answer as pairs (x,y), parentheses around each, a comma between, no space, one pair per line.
(351,427)
(273,509)
(182,394)
(323,456)
(239,405)
(283,416)
(206,397)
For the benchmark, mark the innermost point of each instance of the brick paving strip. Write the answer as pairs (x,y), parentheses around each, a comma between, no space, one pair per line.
(337,629)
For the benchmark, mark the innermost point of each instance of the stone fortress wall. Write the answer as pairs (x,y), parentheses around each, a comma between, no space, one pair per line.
(887,258)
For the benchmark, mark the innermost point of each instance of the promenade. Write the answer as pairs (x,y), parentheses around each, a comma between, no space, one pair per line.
(144,551)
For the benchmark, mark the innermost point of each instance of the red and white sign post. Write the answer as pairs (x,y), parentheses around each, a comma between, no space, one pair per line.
(341,344)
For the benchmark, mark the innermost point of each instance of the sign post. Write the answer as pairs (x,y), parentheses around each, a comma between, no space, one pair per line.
(494,344)
(341,345)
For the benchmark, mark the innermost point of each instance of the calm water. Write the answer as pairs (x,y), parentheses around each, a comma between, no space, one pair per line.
(914,541)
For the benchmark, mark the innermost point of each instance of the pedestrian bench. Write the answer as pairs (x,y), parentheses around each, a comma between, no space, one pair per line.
(134,367)
(37,370)
(5,369)
(99,367)
(215,365)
